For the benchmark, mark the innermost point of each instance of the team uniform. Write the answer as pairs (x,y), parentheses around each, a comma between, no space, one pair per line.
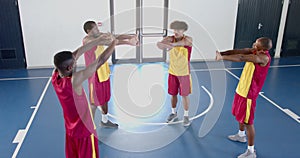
(179,79)
(81,136)
(249,86)
(99,82)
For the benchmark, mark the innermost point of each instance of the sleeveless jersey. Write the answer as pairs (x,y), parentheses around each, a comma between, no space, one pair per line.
(252,79)
(103,72)
(180,60)
(76,110)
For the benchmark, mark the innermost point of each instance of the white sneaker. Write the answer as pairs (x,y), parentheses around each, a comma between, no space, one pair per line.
(109,124)
(172,117)
(186,121)
(248,154)
(237,138)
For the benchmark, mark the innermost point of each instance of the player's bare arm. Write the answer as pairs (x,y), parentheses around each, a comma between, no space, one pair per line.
(125,36)
(128,40)
(90,44)
(187,41)
(165,43)
(123,39)
(238,51)
(80,76)
(258,58)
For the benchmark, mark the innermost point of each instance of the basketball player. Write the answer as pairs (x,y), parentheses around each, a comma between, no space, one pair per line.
(251,81)
(99,82)
(81,136)
(179,81)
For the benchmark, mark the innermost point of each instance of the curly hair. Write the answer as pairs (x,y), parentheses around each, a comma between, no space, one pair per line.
(179,25)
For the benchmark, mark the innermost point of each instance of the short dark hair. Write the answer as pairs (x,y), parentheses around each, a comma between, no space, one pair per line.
(88,26)
(266,43)
(60,58)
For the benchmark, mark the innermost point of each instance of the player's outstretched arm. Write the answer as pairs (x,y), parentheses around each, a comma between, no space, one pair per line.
(80,76)
(92,43)
(107,38)
(124,39)
(187,41)
(132,40)
(165,43)
(238,51)
(259,58)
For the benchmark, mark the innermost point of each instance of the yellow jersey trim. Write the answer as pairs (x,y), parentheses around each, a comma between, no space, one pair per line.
(245,79)
(103,71)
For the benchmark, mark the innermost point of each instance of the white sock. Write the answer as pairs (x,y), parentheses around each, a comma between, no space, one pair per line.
(241,133)
(104,118)
(186,113)
(251,148)
(173,110)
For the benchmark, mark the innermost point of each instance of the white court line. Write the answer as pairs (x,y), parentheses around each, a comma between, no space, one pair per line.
(30,78)
(176,122)
(284,66)
(239,68)
(22,78)
(232,74)
(286,111)
(23,132)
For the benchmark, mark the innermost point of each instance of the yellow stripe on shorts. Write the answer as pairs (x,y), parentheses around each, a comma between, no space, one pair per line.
(93,146)
(249,103)
(92,94)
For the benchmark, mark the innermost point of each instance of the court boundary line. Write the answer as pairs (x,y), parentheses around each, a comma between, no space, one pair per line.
(22,78)
(239,68)
(196,116)
(25,131)
(192,70)
(286,111)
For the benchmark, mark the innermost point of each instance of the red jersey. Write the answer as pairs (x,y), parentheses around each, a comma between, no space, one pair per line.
(89,57)
(252,79)
(103,72)
(76,110)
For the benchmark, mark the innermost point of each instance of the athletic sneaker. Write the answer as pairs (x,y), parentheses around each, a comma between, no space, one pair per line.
(186,121)
(248,154)
(109,124)
(172,117)
(238,138)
